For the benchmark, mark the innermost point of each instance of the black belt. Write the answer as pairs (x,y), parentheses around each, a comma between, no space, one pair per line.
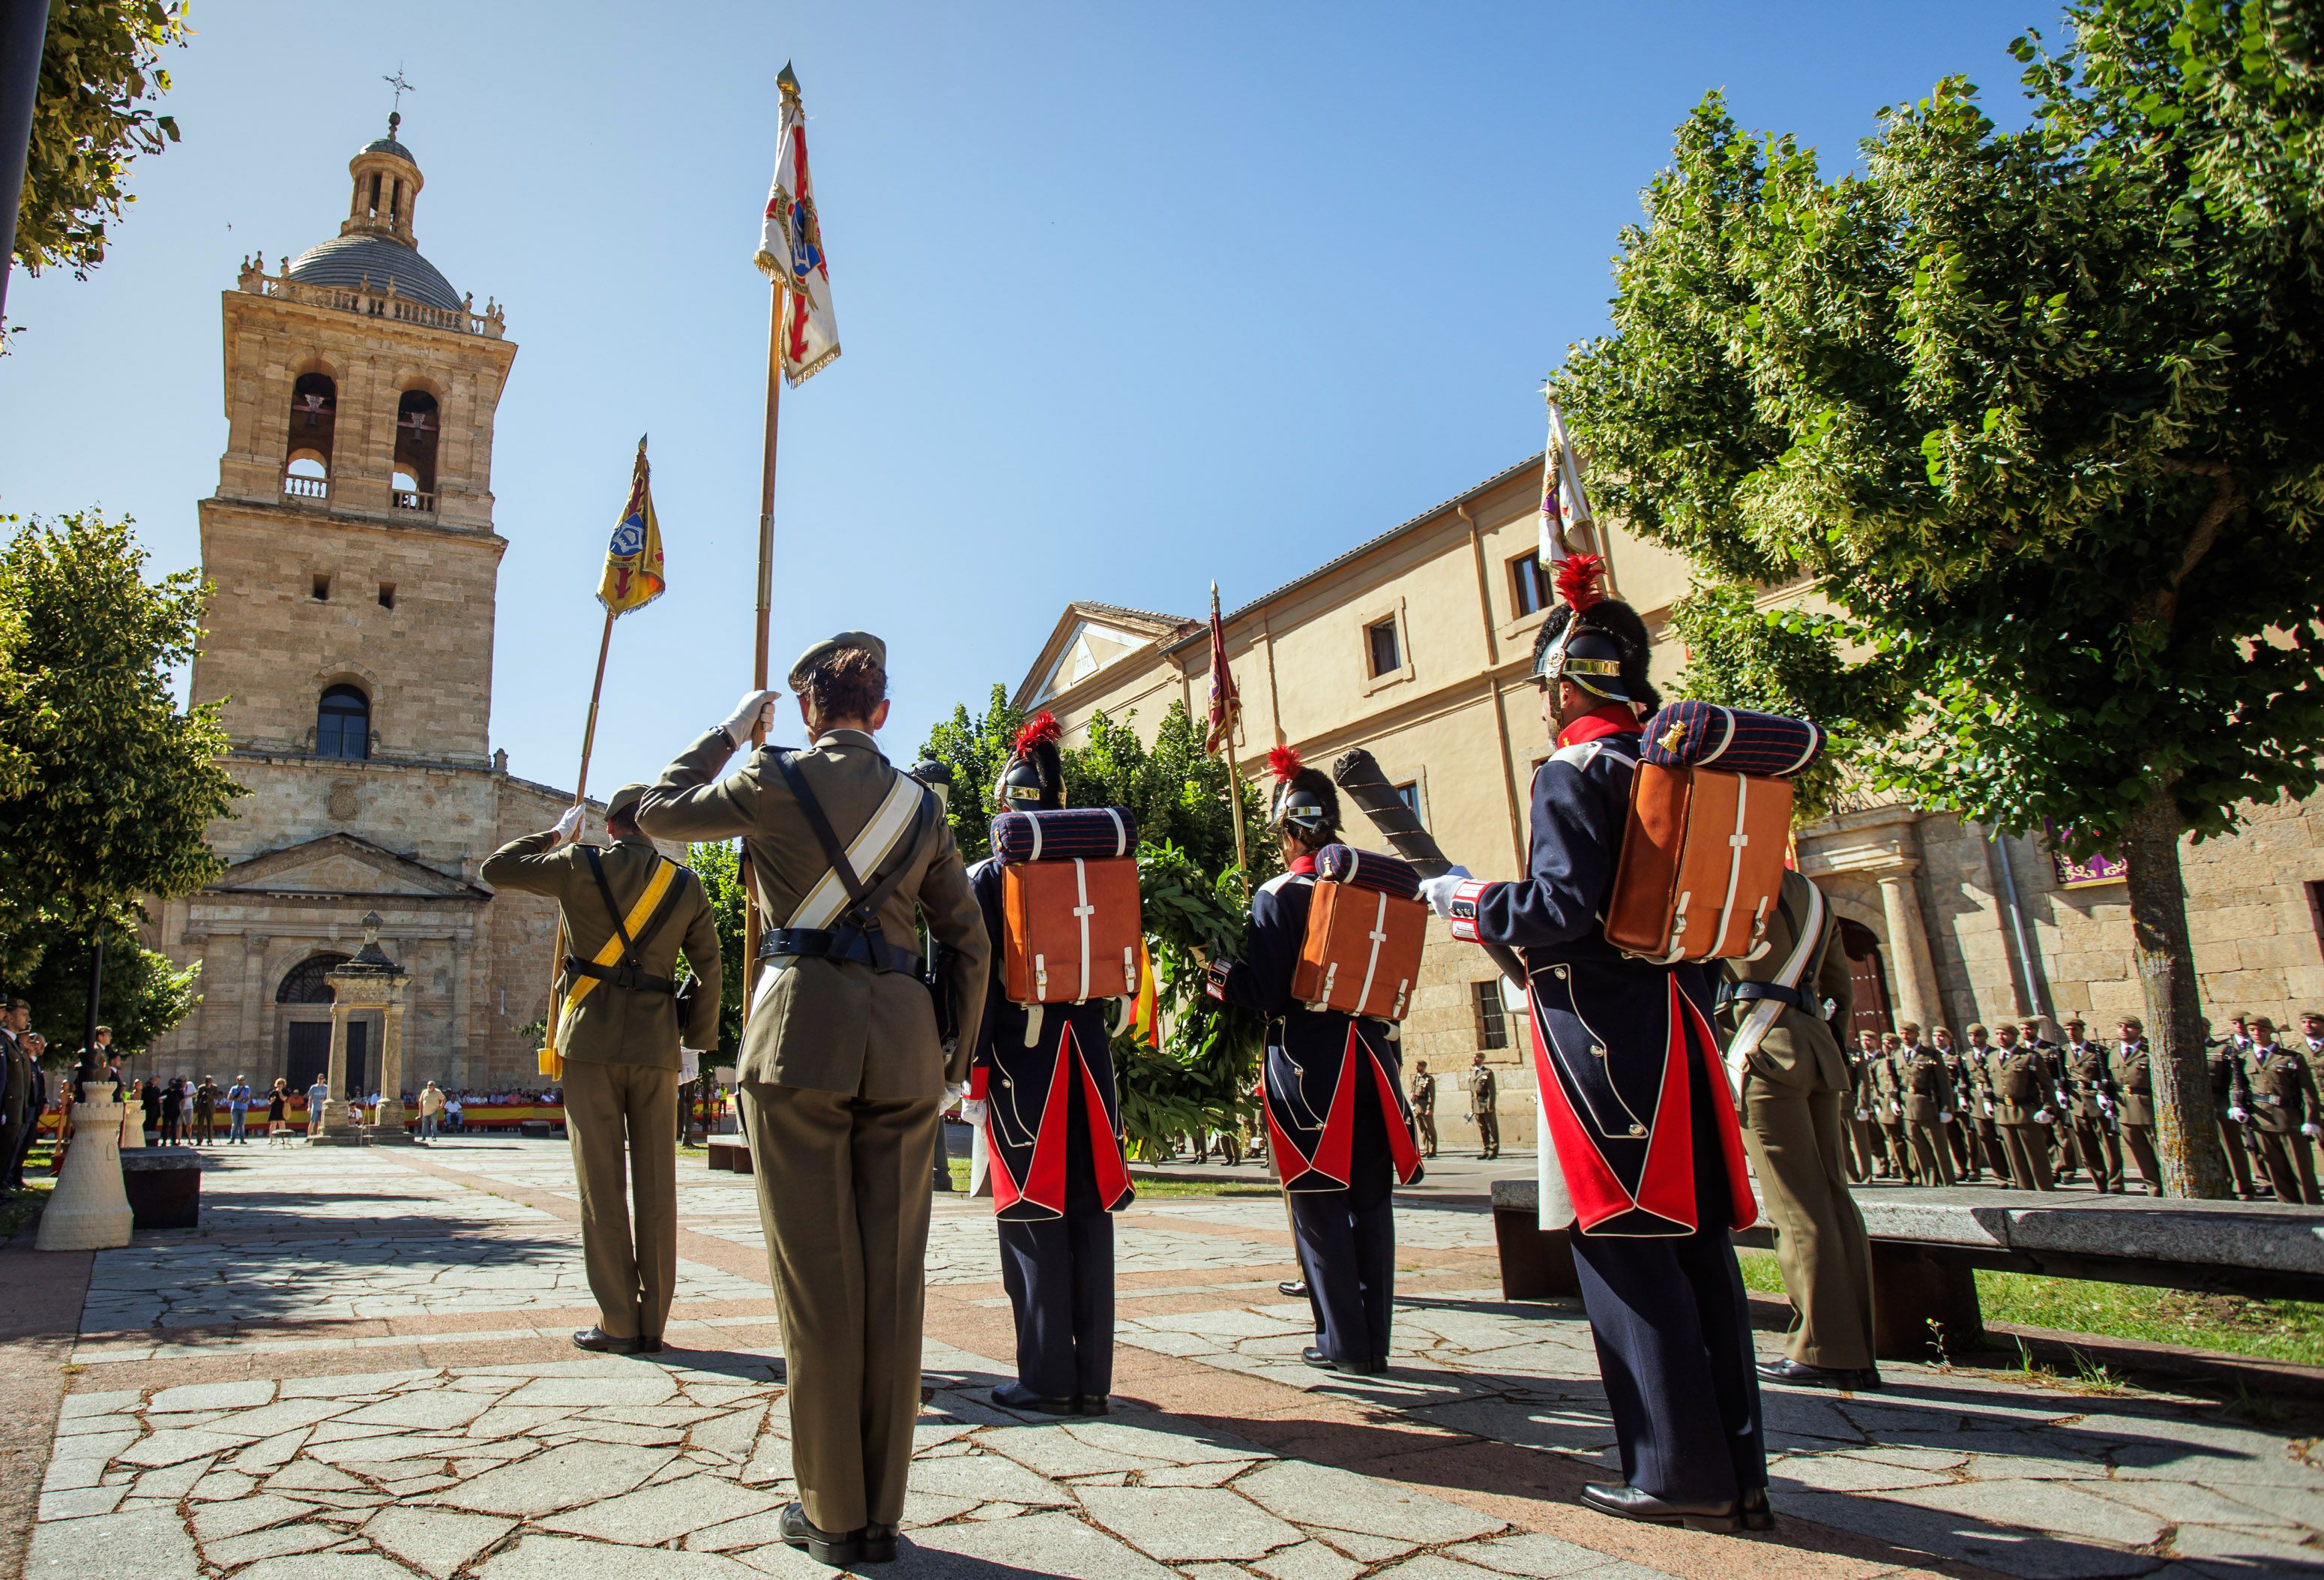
(623,976)
(1732,991)
(839,943)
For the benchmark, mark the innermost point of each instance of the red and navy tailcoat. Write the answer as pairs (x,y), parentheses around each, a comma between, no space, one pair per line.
(1025,1086)
(1320,1063)
(1612,1034)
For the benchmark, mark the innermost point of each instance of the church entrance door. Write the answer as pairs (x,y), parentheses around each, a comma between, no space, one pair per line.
(311,1053)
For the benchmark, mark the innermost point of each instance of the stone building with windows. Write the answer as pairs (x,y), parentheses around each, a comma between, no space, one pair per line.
(351,549)
(1417,644)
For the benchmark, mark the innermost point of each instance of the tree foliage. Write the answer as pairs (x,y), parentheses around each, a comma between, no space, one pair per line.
(141,994)
(2036,412)
(1199,1077)
(719,866)
(100,76)
(105,784)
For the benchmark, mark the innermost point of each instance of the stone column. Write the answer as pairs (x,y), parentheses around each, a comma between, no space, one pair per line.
(255,1025)
(387,1123)
(334,1076)
(1913,970)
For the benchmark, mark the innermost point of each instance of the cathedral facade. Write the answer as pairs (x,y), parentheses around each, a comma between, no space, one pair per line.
(351,549)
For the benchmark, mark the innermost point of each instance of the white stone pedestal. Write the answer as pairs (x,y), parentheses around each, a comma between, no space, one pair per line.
(89,1210)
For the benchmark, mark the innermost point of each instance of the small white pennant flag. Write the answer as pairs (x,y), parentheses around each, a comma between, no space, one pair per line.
(1564,506)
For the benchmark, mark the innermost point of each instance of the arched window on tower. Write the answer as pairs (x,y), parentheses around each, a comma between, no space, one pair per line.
(343,724)
(314,418)
(414,486)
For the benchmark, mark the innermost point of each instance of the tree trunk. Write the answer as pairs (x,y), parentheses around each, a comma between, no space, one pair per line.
(2186,1130)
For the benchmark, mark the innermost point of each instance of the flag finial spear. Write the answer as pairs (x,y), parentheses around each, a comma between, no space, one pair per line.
(788,81)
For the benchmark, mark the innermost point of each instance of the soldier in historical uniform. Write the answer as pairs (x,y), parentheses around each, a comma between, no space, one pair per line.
(1795,1085)
(2231,1101)
(1041,1083)
(2023,1086)
(1337,1119)
(629,911)
(1976,1101)
(841,1072)
(1925,1089)
(1645,1132)
(2134,1076)
(2087,1077)
(2284,1114)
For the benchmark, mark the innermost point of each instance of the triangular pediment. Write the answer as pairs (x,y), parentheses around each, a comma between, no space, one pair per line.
(1091,637)
(340,865)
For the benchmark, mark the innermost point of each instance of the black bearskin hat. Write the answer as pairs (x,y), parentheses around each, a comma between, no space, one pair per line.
(1305,798)
(1598,643)
(1035,779)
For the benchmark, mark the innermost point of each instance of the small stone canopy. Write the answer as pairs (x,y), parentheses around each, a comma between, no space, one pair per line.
(370,980)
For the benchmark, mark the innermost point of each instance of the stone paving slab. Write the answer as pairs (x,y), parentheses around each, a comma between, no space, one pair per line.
(266,1449)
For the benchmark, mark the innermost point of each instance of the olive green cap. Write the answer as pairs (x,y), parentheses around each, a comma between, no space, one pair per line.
(624,799)
(822,651)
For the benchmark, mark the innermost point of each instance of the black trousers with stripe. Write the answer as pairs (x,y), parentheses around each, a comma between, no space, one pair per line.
(1059,1275)
(1346,1245)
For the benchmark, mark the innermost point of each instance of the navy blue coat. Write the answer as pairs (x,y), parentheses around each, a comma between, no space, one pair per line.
(1320,1063)
(1610,1032)
(1025,1085)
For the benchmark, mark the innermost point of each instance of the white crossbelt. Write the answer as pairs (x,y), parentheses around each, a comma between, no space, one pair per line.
(1762,1018)
(866,853)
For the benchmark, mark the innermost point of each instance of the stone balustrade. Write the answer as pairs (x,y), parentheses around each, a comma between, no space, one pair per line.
(378,301)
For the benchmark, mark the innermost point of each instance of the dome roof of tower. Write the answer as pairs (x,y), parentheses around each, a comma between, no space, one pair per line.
(389,146)
(348,260)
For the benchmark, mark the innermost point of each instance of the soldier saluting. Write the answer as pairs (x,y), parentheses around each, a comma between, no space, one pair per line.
(1652,1250)
(842,1073)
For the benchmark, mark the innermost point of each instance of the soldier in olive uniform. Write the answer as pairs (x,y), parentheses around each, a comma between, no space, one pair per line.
(1926,1089)
(1864,1160)
(2134,1075)
(1888,1107)
(1978,1105)
(1960,1136)
(2087,1077)
(2231,1101)
(1795,1085)
(841,1071)
(617,1028)
(2285,1110)
(2024,1085)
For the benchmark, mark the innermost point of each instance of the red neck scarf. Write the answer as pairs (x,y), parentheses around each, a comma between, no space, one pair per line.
(1304,864)
(1615,718)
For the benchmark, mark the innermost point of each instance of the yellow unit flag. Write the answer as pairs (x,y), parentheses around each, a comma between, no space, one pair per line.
(634,574)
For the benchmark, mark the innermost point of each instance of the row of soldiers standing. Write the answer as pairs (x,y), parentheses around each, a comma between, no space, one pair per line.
(2033,1112)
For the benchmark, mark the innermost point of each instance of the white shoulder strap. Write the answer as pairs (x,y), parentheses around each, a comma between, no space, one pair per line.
(1756,1025)
(866,853)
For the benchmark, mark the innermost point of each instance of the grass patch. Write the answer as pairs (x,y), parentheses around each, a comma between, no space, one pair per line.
(19,1212)
(2267,1330)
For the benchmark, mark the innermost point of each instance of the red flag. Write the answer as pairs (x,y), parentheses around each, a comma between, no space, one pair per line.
(1226,702)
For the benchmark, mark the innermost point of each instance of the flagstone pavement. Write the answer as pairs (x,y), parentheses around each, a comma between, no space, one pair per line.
(358,1369)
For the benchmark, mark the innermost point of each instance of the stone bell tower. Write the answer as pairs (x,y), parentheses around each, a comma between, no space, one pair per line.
(351,548)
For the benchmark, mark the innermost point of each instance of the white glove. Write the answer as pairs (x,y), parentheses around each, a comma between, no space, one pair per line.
(2238,1115)
(756,708)
(568,826)
(2310,1130)
(971,1110)
(1944,1116)
(952,1090)
(2043,1116)
(1438,891)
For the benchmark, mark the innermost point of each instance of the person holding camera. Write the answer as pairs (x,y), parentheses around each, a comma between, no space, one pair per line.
(628,910)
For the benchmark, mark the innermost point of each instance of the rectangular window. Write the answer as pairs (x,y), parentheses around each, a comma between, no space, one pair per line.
(2315,911)
(1528,585)
(1379,641)
(1409,792)
(322,589)
(1492,1020)
(387,595)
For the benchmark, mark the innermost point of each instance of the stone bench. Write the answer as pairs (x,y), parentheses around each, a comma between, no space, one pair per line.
(164,1186)
(1927,1245)
(730,1154)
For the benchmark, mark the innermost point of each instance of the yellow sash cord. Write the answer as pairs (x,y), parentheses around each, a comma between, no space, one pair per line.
(552,1063)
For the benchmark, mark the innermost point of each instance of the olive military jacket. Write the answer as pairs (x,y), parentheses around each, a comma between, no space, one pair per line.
(2086,1074)
(1800,1050)
(1888,1086)
(2134,1075)
(836,1025)
(2022,1084)
(2282,1089)
(613,1024)
(1926,1086)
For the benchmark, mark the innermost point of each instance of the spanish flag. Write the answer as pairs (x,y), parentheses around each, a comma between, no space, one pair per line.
(633,576)
(1146,1017)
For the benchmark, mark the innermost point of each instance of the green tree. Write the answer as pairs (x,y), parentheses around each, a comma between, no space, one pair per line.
(719,866)
(2036,412)
(142,996)
(100,76)
(105,784)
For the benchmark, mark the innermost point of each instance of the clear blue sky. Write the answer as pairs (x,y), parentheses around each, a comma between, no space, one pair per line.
(1130,297)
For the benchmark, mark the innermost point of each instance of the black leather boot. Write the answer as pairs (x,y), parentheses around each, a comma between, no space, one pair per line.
(1629,1502)
(824,1547)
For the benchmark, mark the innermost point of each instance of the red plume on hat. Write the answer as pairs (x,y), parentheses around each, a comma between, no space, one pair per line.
(1283,762)
(1041,730)
(1580,580)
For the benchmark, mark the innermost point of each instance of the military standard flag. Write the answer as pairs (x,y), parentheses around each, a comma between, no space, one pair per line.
(790,249)
(1563,506)
(634,574)
(1226,702)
